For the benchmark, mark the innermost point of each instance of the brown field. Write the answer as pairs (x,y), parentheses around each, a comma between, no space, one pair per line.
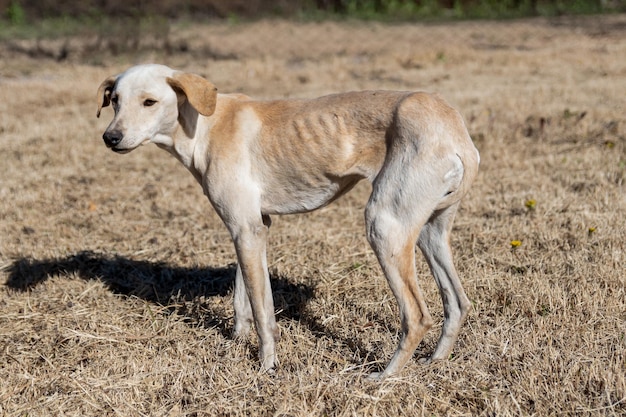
(117,274)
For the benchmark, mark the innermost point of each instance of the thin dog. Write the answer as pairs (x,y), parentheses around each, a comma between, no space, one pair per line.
(258,158)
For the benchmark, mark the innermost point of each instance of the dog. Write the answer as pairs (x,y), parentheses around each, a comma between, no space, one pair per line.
(256,158)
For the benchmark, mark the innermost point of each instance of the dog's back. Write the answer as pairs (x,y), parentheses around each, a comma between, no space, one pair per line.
(312,151)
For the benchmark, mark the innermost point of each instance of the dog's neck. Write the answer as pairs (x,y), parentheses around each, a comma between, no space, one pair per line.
(188,119)
(184,140)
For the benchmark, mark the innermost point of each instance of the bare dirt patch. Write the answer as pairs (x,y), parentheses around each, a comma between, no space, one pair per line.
(118,275)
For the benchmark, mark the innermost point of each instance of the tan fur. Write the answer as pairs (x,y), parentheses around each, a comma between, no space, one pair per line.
(201,94)
(259,158)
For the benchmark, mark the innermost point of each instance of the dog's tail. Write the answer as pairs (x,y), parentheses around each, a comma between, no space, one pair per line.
(438,134)
(470,160)
(466,160)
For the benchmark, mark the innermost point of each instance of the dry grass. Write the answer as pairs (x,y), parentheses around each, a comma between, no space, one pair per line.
(117,274)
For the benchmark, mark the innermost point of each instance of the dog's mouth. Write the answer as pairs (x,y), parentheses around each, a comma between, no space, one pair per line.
(126,150)
(120,151)
(117,149)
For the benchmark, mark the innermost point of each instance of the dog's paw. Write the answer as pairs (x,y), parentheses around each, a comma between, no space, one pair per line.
(270,371)
(375,377)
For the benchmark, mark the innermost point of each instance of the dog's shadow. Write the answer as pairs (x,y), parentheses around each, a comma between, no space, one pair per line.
(158,282)
(183,290)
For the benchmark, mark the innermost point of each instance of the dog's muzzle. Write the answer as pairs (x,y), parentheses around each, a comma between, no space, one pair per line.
(112,138)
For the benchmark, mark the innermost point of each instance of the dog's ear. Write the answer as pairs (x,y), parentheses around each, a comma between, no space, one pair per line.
(201,94)
(104,93)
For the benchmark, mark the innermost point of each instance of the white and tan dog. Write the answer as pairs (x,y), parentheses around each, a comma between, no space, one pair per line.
(259,158)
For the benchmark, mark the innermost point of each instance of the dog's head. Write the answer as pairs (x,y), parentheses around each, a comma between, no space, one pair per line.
(148,101)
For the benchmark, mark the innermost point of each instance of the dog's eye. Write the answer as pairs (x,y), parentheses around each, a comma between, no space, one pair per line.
(114,99)
(149,102)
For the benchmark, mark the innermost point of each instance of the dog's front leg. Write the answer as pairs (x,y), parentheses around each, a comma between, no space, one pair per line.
(241,301)
(250,243)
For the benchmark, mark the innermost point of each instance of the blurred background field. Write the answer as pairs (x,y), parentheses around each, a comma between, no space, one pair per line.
(20,11)
(117,275)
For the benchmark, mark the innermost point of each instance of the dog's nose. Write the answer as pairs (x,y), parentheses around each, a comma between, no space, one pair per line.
(112,138)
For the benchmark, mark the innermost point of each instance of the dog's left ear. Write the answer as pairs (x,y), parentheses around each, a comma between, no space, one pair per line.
(201,94)
(104,93)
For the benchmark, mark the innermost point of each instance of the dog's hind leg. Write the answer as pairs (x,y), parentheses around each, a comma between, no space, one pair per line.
(413,191)
(394,246)
(394,217)
(434,242)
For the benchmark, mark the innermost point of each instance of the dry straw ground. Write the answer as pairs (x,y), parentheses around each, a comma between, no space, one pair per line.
(116,274)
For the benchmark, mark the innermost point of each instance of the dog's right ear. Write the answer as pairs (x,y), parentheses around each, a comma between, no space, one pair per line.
(104,93)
